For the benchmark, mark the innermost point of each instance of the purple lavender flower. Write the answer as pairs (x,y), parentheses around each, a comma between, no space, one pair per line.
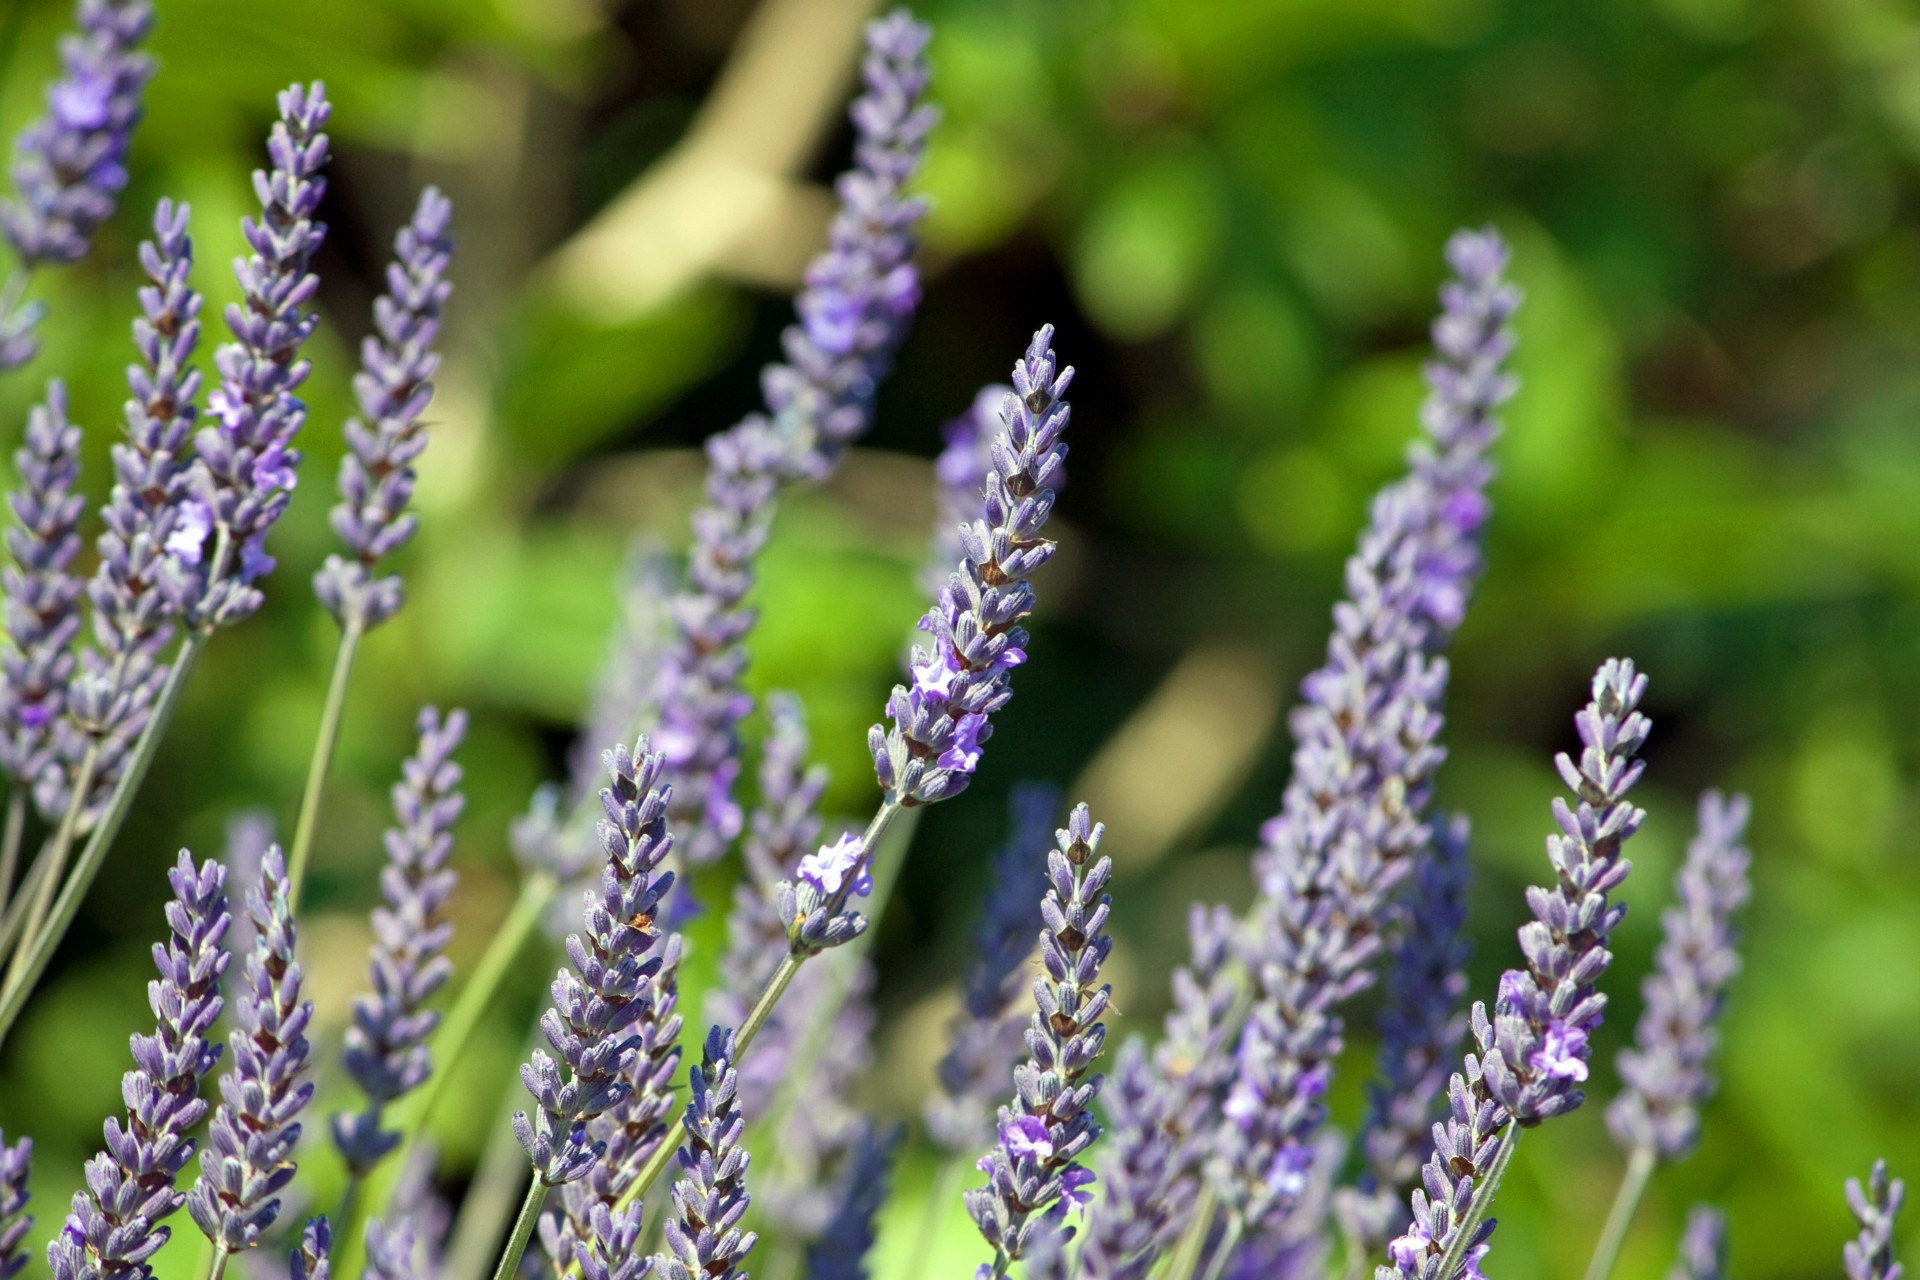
(960,476)
(16,1162)
(1034,1174)
(704,1239)
(115,1225)
(1869,1256)
(1703,1246)
(313,1259)
(613,1246)
(386,1049)
(963,677)
(984,1038)
(249,1157)
(1666,1073)
(393,389)
(1126,1228)
(390,1248)
(1353,820)
(853,314)
(608,991)
(841,1251)
(1518,1076)
(241,478)
(43,597)
(1421,1026)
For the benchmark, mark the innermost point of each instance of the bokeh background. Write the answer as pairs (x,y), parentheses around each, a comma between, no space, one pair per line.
(1233,210)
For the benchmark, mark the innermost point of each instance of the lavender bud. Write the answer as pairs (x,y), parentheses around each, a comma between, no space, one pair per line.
(704,1239)
(386,1049)
(249,1155)
(1036,1163)
(598,1002)
(1666,1073)
(941,723)
(312,1260)
(245,469)
(984,1038)
(16,1162)
(1703,1247)
(1869,1256)
(392,389)
(841,1251)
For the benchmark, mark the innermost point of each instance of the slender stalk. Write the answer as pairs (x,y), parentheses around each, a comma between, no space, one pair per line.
(522,1232)
(57,852)
(10,842)
(218,1266)
(1632,1186)
(1193,1241)
(324,743)
(1229,1241)
(1000,1264)
(1483,1193)
(95,853)
(16,913)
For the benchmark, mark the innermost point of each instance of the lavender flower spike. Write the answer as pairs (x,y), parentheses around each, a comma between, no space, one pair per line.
(249,1159)
(1034,1174)
(1135,1210)
(704,1239)
(70,166)
(43,598)
(1666,1073)
(115,1225)
(393,388)
(1533,1052)
(599,1001)
(16,1162)
(313,1259)
(1703,1246)
(1869,1256)
(985,1036)
(244,474)
(386,1050)
(853,313)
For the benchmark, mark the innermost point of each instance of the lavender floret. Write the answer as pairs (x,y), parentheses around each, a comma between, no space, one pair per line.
(841,1251)
(386,1050)
(16,1162)
(1869,1255)
(600,1000)
(1703,1246)
(243,476)
(392,390)
(704,1239)
(984,1038)
(1034,1174)
(313,1259)
(1666,1073)
(249,1155)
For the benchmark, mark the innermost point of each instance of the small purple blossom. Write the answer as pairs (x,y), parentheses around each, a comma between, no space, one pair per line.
(16,1162)
(1025,1138)
(841,865)
(1562,1053)
(1703,1246)
(188,541)
(1869,1255)
(1074,1193)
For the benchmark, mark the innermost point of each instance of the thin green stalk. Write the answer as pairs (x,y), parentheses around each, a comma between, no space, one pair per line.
(218,1267)
(1632,1186)
(1484,1191)
(1193,1241)
(10,842)
(324,743)
(104,832)
(16,914)
(1229,1241)
(57,851)
(522,1232)
(1000,1264)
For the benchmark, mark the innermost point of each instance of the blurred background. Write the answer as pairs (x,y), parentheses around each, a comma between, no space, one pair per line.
(1234,211)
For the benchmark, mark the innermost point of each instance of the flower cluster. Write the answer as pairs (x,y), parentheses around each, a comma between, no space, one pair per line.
(1869,1256)
(386,1049)
(1703,1246)
(16,1162)
(704,1238)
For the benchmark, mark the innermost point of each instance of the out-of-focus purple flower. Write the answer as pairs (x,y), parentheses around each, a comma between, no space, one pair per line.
(43,597)
(386,1049)
(1136,1170)
(69,166)
(1050,1124)
(853,312)
(1566,953)
(1667,1073)
(599,1002)
(313,1259)
(960,477)
(244,465)
(939,723)
(392,390)
(116,1224)
(1353,821)
(1703,1246)
(704,1238)
(1869,1255)
(984,1038)
(16,1163)
(841,1251)
(1421,1026)
(249,1156)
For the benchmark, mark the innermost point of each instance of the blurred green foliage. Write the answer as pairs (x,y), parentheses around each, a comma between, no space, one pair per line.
(1233,209)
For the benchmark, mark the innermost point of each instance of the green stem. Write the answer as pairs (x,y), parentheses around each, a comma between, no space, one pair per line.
(57,852)
(1632,1186)
(1193,1241)
(1000,1264)
(95,852)
(323,746)
(16,913)
(522,1232)
(218,1266)
(1484,1189)
(1229,1241)
(10,841)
